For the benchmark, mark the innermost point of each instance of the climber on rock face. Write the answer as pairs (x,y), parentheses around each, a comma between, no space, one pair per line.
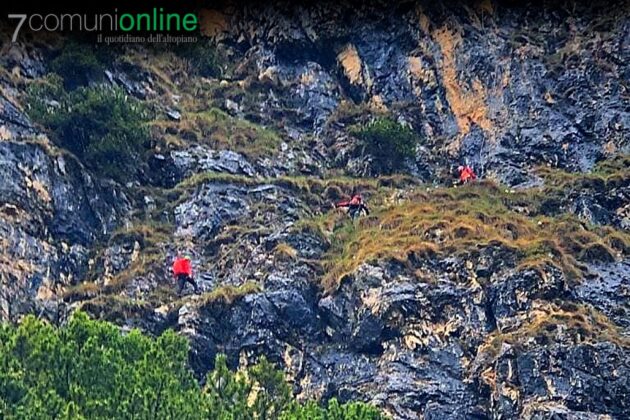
(355,206)
(182,271)
(466,174)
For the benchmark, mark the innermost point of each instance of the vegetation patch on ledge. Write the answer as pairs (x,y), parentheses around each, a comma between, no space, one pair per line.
(227,294)
(578,322)
(305,184)
(221,131)
(224,294)
(456,220)
(116,308)
(149,234)
(610,171)
(103,127)
(560,185)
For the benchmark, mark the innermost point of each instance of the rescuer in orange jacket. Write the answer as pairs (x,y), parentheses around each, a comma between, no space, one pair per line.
(466,174)
(355,206)
(182,271)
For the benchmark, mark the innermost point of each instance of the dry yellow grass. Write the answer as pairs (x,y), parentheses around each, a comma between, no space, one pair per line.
(582,323)
(144,265)
(315,191)
(284,251)
(608,172)
(81,291)
(146,233)
(451,221)
(115,308)
(223,132)
(228,294)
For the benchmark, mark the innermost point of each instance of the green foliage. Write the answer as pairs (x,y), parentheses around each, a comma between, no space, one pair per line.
(89,369)
(224,131)
(226,392)
(273,393)
(389,144)
(334,411)
(78,64)
(103,127)
(262,393)
(202,57)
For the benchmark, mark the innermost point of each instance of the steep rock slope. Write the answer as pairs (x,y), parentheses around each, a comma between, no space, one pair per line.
(495,85)
(52,212)
(483,301)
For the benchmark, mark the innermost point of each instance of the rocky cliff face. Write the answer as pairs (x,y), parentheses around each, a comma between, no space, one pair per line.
(497,86)
(52,213)
(504,299)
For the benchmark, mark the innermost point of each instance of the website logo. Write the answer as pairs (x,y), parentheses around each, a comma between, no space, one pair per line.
(156,20)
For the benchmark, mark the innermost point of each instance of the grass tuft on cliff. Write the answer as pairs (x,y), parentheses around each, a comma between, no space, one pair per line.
(227,294)
(555,322)
(613,171)
(221,131)
(79,64)
(457,220)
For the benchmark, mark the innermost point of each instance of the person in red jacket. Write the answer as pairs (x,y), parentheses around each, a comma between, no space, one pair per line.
(466,174)
(355,206)
(182,271)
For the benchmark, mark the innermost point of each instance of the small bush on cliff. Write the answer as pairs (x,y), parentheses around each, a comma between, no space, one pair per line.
(202,58)
(388,143)
(79,64)
(103,127)
(89,369)
(261,392)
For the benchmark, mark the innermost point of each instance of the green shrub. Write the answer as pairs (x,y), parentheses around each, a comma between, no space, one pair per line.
(231,395)
(388,143)
(78,64)
(334,411)
(89,369)
(102,126)
(262,393)
(203,58)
